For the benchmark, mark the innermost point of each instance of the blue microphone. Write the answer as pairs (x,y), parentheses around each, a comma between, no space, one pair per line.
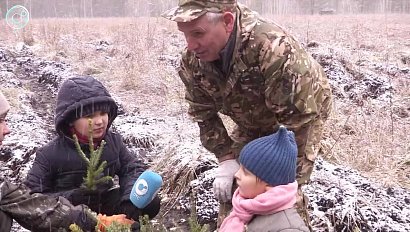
(145,188)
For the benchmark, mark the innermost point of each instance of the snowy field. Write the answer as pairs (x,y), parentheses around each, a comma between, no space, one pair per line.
(360,182)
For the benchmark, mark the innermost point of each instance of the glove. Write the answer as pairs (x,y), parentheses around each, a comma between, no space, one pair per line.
(81,216)
(135,227)
(130,210)
(82,195)
(224,178)
(105,221)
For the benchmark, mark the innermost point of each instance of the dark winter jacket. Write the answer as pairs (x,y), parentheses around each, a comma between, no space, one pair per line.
(58,169)
(39,212)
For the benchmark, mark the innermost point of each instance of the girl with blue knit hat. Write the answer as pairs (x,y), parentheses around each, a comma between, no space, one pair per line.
(267,187)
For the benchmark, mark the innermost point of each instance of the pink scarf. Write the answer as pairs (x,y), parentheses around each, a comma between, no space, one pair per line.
(272,201)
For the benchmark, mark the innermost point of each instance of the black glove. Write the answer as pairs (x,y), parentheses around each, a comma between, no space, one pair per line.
(82,216)
(129,209)
(82,195)
(135,227)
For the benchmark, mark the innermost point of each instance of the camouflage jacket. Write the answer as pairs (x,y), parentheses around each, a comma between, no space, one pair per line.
(272,81)
(39,212)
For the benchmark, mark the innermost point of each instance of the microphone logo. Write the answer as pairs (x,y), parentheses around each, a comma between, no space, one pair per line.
(145,188)
(141,187)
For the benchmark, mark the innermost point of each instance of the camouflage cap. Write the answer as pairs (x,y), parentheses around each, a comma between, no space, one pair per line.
(188,10)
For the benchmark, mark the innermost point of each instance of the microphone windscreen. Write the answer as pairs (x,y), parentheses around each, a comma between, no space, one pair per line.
(145,188)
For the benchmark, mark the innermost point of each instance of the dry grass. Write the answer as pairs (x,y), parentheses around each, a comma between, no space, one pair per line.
(137,66)
(382,33)
(372,138)
(124,52)
(12,94)
(375,143)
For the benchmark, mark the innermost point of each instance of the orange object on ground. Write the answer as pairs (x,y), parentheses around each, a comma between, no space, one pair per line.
(105,221)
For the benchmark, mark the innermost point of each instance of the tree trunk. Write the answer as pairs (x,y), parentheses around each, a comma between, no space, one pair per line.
(84,9)
(55,9)
(312,7)
(92,9)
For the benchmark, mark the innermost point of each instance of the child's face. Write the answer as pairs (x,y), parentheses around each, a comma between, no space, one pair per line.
(4,129)
(99,123)
(249,185)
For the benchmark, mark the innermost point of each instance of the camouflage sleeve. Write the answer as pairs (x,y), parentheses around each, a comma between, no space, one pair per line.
(202,108)
(39,212)
(289,78)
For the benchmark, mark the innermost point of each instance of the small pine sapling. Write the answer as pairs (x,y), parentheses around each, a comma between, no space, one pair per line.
(94,167)
(193,220)
(75,228)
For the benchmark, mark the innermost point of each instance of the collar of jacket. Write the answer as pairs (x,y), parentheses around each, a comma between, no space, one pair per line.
(225,61)
(246,20)
(85,147)
(84,139)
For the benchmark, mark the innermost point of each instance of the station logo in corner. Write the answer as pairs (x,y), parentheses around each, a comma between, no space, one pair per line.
(17,17)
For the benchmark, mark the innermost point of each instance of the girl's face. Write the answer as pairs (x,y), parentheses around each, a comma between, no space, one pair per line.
(99,124)
(249,185)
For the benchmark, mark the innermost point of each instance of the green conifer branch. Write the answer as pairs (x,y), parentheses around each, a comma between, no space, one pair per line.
(118,227)
(97,155)
(90,135)
(101,167)
(79,151)
(103,179)
(94,168)
(75,228)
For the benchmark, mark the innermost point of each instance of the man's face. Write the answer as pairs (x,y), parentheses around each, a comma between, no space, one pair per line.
(207,38)
(4,129)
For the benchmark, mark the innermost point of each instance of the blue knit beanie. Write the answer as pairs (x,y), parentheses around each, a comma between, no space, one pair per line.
(272,158)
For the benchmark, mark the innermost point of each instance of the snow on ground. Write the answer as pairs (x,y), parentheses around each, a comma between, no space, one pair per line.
(339,195)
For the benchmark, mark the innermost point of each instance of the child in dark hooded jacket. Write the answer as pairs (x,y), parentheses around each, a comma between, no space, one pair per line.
(38,212)
(59,170)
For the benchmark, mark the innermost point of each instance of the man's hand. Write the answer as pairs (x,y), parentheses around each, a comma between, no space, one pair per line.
(224,178)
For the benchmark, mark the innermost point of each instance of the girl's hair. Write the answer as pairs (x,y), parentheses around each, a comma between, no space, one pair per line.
(258,179)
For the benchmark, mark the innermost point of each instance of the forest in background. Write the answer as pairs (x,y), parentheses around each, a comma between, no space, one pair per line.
(153,8)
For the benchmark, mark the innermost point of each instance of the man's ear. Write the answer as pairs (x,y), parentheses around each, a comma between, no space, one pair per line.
(229,20)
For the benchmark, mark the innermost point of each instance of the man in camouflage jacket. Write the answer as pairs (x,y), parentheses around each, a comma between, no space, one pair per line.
(250,69)
(39,212)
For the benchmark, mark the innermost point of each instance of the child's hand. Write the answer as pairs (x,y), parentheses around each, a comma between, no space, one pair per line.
(105,221)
